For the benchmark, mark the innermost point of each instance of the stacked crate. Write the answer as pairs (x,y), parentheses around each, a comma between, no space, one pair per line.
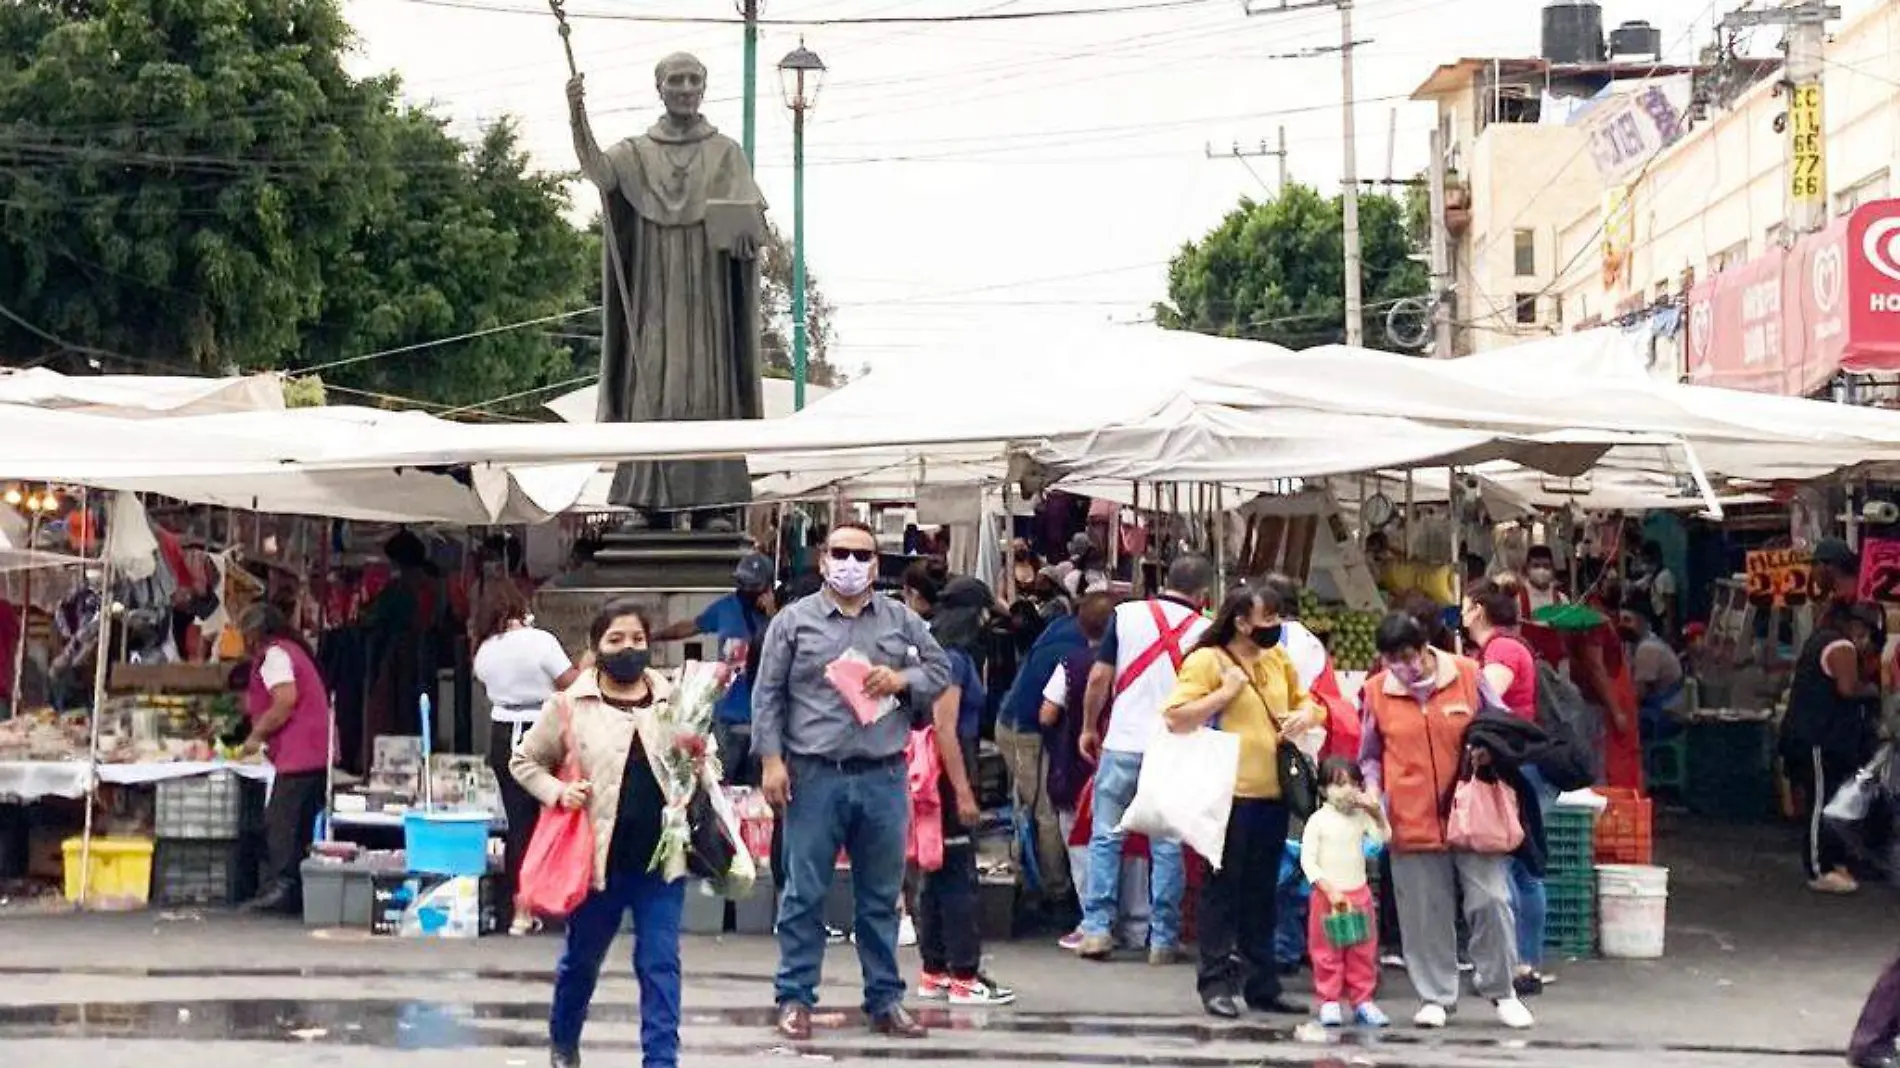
(206,853)
(1570,880)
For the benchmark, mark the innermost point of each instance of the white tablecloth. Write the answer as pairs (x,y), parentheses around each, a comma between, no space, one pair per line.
(32,780)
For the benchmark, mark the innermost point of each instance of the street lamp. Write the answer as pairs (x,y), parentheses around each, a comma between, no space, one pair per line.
(801,73)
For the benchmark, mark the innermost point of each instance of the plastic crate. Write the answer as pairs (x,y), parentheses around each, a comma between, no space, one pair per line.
(120,869)
(204,807)
(1572,933)
(1624,832)
(1567,888)
(192,872)
(1570,840)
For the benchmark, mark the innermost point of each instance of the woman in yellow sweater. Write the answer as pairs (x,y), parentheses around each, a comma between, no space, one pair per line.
(1237,679)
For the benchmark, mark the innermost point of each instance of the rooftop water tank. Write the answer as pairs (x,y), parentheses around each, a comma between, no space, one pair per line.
(1573,32)
(1636,38)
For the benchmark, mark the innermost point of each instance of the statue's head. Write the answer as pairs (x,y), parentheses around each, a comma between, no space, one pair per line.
(681,81)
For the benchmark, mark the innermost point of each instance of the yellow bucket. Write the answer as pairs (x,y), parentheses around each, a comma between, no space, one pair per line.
(121,873)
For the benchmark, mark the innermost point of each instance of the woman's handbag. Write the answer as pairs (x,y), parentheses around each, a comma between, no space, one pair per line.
(557,871)
(1299,780)
(710,849)
(1484,816)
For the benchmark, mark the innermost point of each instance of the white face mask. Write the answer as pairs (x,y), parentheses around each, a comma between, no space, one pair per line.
(1341,795)
(848,578)
(1540,577)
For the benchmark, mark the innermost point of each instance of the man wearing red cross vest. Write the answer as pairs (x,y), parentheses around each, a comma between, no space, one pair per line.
(1135,668)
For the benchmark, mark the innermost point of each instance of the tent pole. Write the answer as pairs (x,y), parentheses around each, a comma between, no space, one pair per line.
(101,661)
(1457,556)
(1410,499)
(26,612)
(1702,484)
(1220,539)
(1009,542)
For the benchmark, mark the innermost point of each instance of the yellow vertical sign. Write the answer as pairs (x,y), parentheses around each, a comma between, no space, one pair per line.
(1807,168)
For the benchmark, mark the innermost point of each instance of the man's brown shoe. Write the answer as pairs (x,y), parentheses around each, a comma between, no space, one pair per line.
(794,1022)
(898,1023)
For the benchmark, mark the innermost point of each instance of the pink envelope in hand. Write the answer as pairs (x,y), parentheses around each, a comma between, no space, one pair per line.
(848,674)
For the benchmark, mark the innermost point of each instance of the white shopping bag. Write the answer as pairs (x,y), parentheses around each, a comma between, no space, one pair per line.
(1851,803)
(1186,790)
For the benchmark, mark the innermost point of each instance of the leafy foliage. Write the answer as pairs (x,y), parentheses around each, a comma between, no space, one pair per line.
(198,186)
(1275,271)
(775,295)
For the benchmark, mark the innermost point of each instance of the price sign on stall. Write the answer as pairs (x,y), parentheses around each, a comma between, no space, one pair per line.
(1880,570)
(1777,577)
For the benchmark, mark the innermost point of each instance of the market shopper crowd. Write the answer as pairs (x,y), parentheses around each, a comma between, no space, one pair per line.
(1420,805)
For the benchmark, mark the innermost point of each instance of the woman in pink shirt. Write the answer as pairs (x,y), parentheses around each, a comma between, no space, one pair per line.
(289,708)
(1491,622)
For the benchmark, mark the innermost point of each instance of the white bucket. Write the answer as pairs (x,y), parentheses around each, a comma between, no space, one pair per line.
(1632,904)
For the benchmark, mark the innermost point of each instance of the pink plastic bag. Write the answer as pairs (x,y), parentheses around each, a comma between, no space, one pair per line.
(924,766)
(848,673)
(557,871)
(1484,818)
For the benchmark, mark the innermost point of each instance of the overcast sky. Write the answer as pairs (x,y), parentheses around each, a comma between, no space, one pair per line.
(990,174)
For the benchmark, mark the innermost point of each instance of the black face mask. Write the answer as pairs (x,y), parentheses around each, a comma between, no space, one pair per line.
(625,666)
(1630,634)
(1266,637)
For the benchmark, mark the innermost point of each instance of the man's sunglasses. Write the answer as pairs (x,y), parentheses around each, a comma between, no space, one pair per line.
(862,556)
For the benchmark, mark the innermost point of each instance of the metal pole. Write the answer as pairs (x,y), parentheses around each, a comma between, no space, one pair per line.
(1282,155)
(26,614)
(750,128)
(1457,556)
(798,254)
(1441,252)
(1355,326)
(100,664)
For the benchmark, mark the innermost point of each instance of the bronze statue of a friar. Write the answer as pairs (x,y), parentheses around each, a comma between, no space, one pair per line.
(681,222)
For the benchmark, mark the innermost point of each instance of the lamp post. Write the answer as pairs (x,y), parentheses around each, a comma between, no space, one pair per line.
(801,73)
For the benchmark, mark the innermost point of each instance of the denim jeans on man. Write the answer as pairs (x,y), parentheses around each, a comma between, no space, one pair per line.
(1114,790)
(656,906)
(862,807)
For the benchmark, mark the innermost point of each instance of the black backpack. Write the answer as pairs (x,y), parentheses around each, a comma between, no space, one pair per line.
(1567,720)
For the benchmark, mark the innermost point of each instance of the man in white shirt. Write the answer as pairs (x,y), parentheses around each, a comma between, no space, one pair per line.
(1136,665)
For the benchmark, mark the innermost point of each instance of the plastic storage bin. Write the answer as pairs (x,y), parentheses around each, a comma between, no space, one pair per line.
(1569,840)
(121,872)
(1624,832)
(190,872)
(446,843)
(201,808)
(339,895)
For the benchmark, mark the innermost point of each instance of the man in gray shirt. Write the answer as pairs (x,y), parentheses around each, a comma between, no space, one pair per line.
(839,783)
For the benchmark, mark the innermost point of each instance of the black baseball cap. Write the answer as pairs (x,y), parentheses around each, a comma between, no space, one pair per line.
(1836,554)
(754,573)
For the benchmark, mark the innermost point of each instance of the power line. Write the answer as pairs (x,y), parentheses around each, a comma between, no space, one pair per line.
(469,336)
(862,20)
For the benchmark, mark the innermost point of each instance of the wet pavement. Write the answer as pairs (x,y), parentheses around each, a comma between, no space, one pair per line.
(1759,975)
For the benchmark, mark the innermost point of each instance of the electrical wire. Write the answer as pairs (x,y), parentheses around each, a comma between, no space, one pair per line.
(842,20)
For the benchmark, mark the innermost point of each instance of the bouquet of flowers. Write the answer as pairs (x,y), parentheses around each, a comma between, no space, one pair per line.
(697,825)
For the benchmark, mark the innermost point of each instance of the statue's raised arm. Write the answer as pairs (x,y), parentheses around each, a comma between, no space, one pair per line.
(594,163)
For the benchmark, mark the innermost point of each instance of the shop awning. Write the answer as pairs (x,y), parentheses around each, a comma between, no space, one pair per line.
(1788,321)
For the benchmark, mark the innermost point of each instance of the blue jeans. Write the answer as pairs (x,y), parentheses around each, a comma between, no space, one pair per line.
(656,906)
(1114,789)
(1528,900)
(866,812)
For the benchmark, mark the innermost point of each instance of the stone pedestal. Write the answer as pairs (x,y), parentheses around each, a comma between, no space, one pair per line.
(660,560)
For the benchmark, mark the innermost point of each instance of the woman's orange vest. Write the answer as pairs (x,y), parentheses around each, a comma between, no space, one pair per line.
(1424,748)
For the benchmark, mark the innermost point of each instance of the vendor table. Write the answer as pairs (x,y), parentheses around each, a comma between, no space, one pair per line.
(28,780)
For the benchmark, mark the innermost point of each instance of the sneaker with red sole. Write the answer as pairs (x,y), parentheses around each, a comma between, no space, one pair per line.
(934,986)
(980,992)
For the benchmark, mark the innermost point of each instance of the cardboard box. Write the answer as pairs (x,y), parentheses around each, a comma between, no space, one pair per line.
(434,906)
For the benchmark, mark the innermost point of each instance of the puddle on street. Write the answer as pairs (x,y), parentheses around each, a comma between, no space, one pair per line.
(419,1025)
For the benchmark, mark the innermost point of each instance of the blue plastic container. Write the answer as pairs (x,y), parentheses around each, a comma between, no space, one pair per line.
(446,842)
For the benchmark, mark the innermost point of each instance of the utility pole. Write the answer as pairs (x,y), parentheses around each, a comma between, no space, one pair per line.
(1244,154)
(1806,24)
(1441,253)
(1355,300)
(749,136)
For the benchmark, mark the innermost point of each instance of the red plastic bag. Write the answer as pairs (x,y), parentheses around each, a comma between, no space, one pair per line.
(924,847)
(557,871)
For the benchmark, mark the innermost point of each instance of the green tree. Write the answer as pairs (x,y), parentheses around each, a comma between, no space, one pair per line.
(199,185)
(775,297)
(1275,271)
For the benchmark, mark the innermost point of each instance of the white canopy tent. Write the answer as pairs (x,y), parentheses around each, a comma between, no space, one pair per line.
(141,396)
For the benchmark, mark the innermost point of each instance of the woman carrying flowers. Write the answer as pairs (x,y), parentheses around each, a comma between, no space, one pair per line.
(629,732)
